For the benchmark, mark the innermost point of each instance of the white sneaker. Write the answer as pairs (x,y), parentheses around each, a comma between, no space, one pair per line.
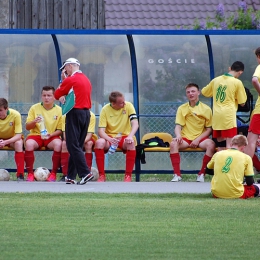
(200,178)
(176,178)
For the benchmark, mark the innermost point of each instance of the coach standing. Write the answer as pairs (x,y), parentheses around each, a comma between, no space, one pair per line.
(77,119)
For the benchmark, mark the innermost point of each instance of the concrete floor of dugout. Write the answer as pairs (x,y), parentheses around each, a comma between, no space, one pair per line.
(106,187)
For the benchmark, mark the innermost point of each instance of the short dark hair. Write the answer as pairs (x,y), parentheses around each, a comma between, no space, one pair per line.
(113,96)
(237,66)
(47,88)
(3,103)
(192,85)
(257,51)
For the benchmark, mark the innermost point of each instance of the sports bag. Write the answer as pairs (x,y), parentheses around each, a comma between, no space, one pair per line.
(248,107)
(152,142)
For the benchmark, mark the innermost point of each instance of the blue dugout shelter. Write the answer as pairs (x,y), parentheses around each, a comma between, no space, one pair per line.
(151,68)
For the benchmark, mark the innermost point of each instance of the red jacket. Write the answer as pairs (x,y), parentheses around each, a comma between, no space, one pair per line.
(82,89)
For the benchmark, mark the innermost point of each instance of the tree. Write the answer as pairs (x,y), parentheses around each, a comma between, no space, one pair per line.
(244,19)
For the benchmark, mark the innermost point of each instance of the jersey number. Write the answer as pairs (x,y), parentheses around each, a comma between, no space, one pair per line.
(221,94)
(226,167)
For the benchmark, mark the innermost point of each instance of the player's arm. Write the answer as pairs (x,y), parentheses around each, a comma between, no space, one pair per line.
(102,134)
(63,89)
(177,131)
(11,140)
(207,91)
(31,124)
(195,143)
(205,134)
(88,137)
(248,171)
(255,83)
(55,133)
(134,127)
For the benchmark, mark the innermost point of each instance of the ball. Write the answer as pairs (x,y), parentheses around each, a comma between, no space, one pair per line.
(41,174)
(4,175)
(95,173)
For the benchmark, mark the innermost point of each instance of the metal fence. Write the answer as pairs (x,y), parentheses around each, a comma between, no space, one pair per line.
(155,117)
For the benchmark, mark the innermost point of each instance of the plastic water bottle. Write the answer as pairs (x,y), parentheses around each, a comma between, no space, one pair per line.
(113,147)
(43,129)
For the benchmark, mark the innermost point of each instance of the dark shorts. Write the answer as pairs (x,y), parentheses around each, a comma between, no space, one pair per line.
(228,133)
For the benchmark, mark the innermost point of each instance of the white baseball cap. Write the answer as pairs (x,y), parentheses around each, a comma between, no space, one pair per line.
(69,61)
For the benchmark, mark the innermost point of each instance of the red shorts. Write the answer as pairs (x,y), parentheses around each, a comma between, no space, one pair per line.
(120,145)
(254,126)
(229,133)
(249,192)
(190,141)
(41,142)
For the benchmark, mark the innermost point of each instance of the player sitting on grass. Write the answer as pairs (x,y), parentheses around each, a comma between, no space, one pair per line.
(229,168)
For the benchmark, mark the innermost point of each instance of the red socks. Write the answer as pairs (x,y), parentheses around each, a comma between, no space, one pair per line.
(176,161)
(89,158)
(130,161)
(55,161)
(64,160)
(100,160)
(205,161)
(29,160)
(19,160)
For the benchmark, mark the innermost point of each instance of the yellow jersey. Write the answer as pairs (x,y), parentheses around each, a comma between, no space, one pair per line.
(227,93)
(52,118)
(257,104)
(11,125)
(230,166)
(117,121)
(193,120)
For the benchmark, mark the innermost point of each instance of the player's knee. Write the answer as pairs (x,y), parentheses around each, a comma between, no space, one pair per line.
(100,143)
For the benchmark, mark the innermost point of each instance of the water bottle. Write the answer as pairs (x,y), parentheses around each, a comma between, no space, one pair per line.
(113,147)
(43,129)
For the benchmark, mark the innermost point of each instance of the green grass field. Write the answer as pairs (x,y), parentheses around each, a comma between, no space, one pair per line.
(127,226)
